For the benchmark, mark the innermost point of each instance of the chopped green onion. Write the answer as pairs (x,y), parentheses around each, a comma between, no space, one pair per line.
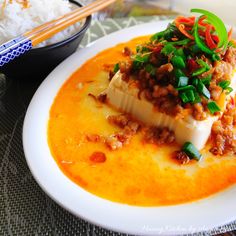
(116,67)
(167,34)
(218,25)
(179,73)
(215,57)
(187,96)
(197,97)
(195,49)
(180,52)
(204,67)
(168,49)
(190,95)
(141,58)
(195,81)
(191,151)
(184,97)
(199,71)
(229,89)
(224,84)
(182,81)
(213,107)
(188,87)
(136,65)
(157,36)
(203,64)
(178,62)
(206,81)
(150,69)
(203,90)
(181,42)
(142,49)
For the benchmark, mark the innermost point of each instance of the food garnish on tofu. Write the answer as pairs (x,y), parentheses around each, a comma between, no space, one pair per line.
(182,79)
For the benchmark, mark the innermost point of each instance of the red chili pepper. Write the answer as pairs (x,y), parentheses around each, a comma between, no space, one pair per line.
(98,157)
(210,42)
(215,38)
(184,20)
(205,24)
(157,49)
(200,22)
(230,34)
(187,27)
(192,65)
(232,100)
(201,33)
(184,32)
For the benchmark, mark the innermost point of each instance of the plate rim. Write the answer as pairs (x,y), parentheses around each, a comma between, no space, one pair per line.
(155,228)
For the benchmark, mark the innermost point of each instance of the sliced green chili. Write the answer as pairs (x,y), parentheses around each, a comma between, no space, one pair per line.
(198,40)
(218,25)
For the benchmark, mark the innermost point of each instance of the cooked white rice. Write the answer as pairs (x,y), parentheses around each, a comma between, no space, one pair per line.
(16,20)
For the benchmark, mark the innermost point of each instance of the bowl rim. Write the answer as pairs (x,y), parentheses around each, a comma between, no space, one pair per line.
(84,27)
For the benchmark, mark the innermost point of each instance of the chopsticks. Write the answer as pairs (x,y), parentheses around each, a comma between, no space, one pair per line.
(15,47)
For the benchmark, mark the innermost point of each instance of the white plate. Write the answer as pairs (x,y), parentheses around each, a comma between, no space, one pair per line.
(169,220)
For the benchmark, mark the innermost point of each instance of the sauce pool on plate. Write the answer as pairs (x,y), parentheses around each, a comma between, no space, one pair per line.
(138,174)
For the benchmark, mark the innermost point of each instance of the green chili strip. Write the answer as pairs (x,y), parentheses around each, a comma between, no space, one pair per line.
(218,25)
(198,40)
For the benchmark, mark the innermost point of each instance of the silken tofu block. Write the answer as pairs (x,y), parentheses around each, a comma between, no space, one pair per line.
(124,97)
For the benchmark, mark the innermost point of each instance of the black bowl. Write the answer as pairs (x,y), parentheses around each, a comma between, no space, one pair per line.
(39,62)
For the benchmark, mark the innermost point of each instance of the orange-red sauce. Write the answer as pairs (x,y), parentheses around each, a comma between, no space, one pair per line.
(138,174)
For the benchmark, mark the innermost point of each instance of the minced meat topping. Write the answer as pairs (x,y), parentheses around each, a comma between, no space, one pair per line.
(185,67)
